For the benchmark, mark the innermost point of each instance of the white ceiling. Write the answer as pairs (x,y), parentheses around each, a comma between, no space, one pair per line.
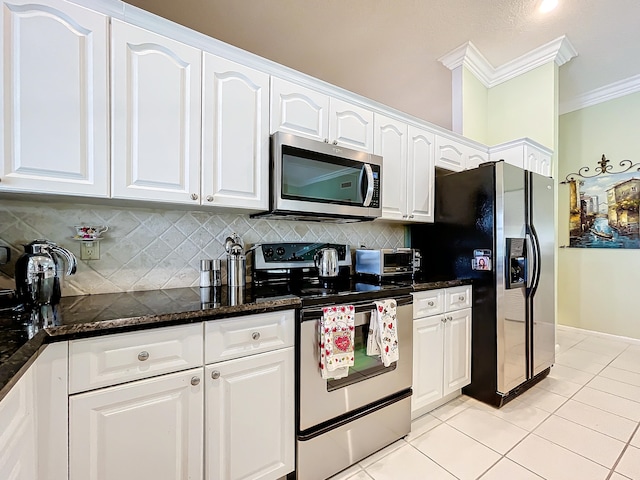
(387,50)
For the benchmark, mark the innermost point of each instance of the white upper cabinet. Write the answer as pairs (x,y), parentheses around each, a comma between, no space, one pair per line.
(156,116)
(299,110)
(305,112)
(407,171)
(524,153)
(350,126)
(450,154)
(235,141)
(420,175)
(457,156)
(391,145)
(54,99)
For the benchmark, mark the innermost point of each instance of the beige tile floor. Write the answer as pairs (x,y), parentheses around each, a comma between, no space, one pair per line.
(581,423)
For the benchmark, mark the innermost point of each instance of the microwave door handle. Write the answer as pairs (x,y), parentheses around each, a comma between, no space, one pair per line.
(369,194)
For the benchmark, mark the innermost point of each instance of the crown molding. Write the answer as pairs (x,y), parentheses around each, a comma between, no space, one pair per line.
(599,95)
(559,51)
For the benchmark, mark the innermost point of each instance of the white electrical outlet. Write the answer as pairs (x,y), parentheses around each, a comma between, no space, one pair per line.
(90,251)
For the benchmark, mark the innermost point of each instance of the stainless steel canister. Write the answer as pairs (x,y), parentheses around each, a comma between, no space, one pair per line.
(236,270)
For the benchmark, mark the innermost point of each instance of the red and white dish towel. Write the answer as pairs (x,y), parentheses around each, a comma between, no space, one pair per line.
(383,332)
(336,328)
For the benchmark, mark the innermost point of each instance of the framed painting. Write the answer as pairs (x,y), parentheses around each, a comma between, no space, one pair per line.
(604,211)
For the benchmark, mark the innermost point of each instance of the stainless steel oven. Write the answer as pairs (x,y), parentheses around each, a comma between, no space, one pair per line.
(339,422)
(342,421)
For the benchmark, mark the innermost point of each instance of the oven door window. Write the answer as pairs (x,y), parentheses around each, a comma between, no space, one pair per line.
(320,178)
(365,366)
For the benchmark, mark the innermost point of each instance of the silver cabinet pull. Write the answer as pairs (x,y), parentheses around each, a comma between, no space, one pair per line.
(335,142)
(461,298)
(444,320)
(195,381)
(255,335)
(431,304)
(194,196)
(215,374)
(144,355)
(209,198)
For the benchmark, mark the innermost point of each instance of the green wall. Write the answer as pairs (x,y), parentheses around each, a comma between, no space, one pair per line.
(525,106)
(475,108)
(597,288)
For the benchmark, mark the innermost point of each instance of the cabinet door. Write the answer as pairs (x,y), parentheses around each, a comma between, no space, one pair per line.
(299,110)
(156,116)
(350,126)
(18,454)
(250,417)
(457,350)
(54,98)
(235,135)
(146,429)
(428,335)
(420,175)
(450,154)
(537,161)
(475,157)
(391,144)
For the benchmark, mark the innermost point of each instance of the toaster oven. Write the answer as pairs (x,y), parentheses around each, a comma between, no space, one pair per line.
(388,262)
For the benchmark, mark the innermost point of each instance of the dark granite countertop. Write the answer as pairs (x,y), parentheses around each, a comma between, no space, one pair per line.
(22,334)
(424,286)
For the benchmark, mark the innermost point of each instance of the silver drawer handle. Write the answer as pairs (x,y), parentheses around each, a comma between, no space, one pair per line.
(144,355)
(215,374)
(461,298)
(195,381)
(431,304)
(255,335)
(444,320)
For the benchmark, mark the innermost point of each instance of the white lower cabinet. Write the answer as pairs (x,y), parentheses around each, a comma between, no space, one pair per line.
(151,429)
(250,417)
(441,346)
(161,414)
(33,420)
(18,455)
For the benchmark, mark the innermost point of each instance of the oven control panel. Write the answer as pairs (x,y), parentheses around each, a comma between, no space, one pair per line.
(295,255)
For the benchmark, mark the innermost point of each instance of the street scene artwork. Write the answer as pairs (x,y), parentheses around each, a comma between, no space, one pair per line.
(604,211)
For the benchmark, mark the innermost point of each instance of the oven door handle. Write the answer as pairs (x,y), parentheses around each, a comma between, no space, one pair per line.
(362,308)
(362,318)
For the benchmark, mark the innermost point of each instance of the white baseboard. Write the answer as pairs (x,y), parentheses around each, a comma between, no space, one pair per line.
(593,333)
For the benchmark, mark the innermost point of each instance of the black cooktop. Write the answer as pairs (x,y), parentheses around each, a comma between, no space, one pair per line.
(314,291)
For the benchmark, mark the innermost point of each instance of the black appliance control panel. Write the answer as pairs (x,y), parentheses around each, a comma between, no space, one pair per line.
(295,255)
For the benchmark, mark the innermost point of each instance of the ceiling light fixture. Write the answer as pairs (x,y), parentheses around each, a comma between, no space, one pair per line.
(547,5)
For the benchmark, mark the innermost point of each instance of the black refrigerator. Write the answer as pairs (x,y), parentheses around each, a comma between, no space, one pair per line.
(495,226)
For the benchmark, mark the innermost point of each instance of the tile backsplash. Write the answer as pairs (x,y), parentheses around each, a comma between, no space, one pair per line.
(148,249)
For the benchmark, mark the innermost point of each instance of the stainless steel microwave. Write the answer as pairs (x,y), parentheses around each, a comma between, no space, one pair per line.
(312,180)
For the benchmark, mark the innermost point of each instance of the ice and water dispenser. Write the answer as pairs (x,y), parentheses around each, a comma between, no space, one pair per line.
(516,263)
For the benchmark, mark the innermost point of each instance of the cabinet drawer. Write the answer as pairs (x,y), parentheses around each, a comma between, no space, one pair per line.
(242,336)
(113,359)
(457,298)
(428,303)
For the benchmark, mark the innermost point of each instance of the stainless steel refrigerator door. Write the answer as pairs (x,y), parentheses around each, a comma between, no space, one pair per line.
(543,302)
(511,303)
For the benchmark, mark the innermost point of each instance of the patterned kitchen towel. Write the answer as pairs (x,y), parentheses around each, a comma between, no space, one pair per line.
(385,331)
(336,329)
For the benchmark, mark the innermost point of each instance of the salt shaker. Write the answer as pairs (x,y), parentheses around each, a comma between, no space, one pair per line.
(206,273)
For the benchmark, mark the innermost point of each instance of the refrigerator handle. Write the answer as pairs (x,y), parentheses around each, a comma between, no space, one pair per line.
(530,259)
(533,260)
